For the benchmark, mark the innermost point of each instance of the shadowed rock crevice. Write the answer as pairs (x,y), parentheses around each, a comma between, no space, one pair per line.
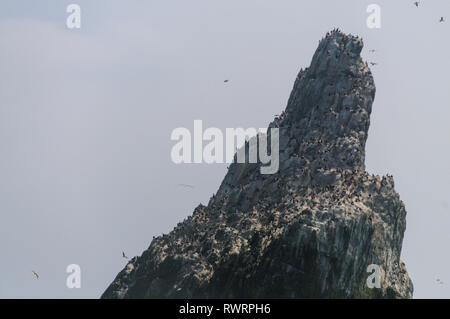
(308,231)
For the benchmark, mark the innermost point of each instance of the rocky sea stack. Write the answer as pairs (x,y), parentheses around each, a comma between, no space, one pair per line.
(308,231)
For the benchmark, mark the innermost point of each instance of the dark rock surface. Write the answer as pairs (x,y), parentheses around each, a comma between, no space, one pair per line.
(309,231)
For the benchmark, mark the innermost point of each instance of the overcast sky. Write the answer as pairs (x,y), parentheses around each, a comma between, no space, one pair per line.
(86,116)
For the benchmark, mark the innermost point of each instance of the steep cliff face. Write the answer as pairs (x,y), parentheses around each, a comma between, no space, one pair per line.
(308,231)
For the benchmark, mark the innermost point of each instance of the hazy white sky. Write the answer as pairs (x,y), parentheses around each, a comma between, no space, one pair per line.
(86,117)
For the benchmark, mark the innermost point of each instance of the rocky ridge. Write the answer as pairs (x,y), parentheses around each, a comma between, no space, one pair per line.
(308,231)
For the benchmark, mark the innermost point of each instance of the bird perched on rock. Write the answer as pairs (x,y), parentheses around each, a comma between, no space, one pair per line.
(416,4)
(35,274)
(124,256)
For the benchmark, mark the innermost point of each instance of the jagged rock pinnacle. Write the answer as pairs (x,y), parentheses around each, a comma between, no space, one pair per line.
(309,231)
(332,100)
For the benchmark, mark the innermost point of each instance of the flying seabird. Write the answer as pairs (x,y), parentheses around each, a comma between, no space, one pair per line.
(124,256)
(225,81)
(186,185)
(36,274)
(439,281)
(442,19)
(373,63)
(416,4)
(372,51)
